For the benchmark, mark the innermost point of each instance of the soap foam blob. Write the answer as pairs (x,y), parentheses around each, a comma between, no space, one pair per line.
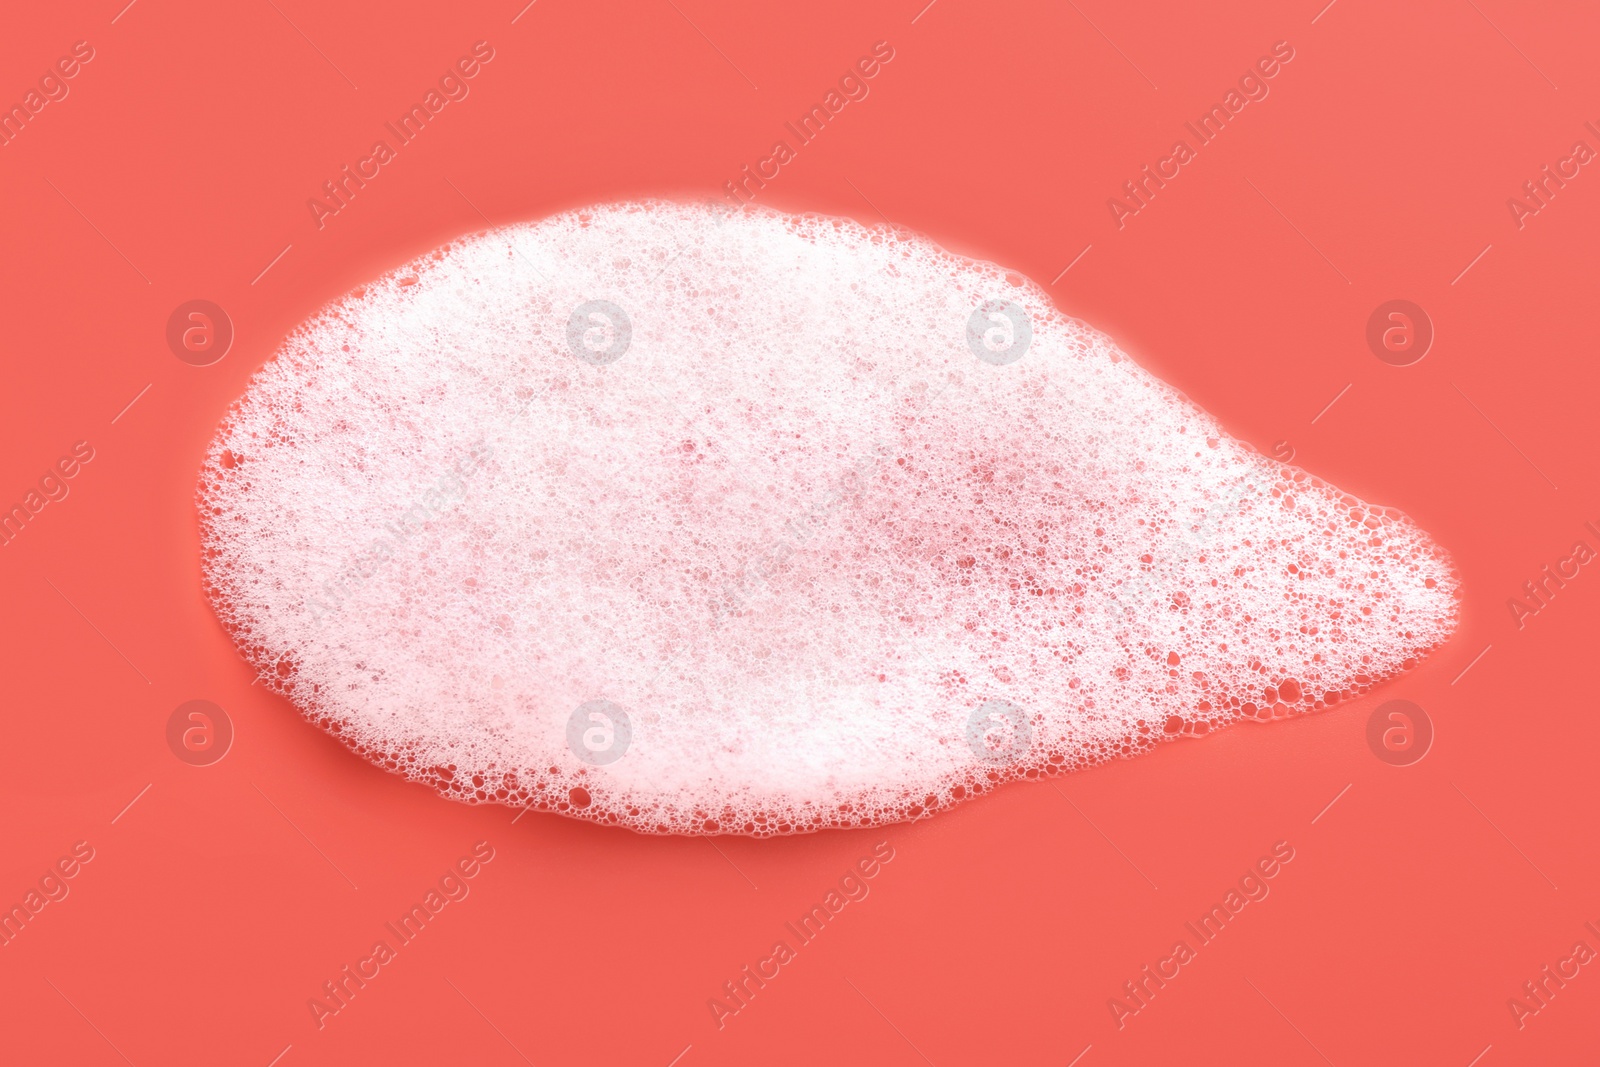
(704,522)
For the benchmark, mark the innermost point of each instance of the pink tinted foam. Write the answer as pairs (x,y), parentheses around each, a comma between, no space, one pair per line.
(698,522)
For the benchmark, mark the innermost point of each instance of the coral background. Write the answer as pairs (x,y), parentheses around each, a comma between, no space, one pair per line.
(1378,168)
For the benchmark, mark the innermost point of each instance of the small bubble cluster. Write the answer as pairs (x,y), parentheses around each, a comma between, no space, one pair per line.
(696,521)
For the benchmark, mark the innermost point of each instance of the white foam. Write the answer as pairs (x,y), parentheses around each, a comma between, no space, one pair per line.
(814,546)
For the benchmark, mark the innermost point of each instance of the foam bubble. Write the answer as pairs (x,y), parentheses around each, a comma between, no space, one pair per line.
(699,522)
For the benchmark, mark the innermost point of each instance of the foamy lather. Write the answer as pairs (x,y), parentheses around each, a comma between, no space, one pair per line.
(837,555)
